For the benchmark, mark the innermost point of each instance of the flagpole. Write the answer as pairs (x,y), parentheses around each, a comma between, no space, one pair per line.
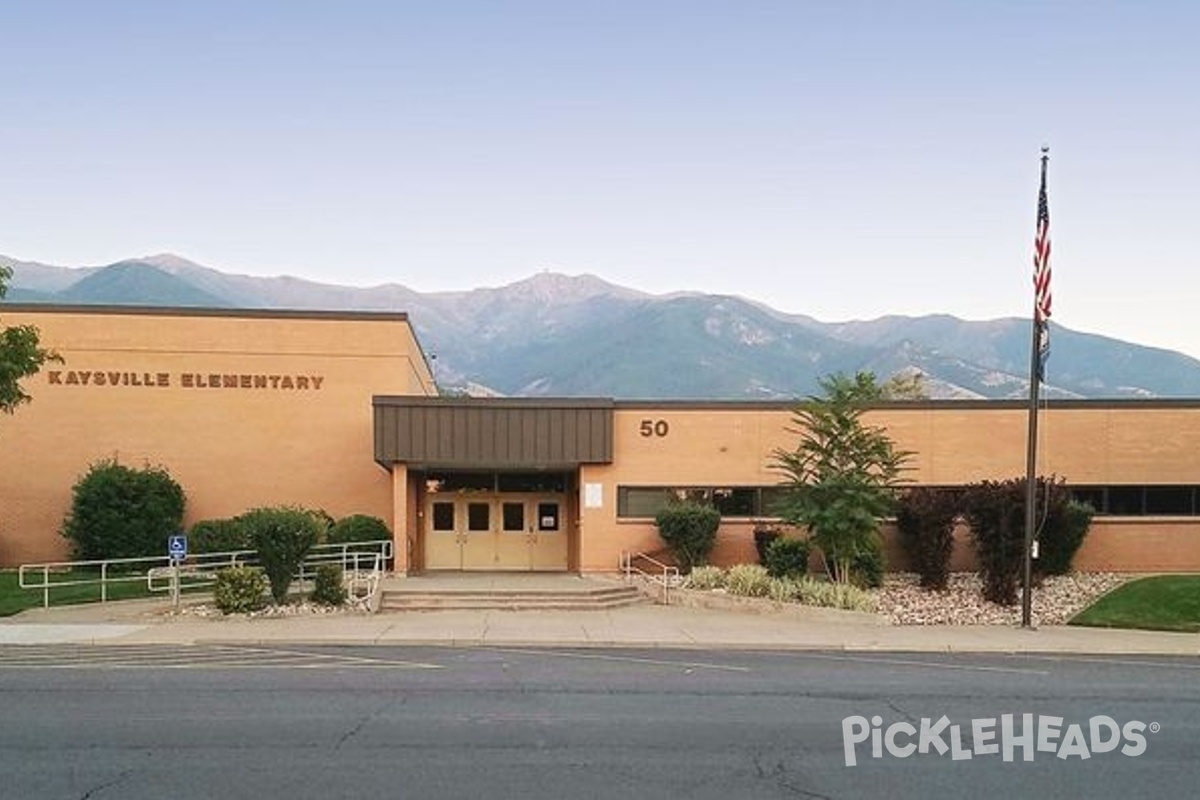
(1031,478)
(1035,380)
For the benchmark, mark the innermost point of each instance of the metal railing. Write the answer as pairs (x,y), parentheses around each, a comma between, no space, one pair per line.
(362,565)
(362,562)
(665,575)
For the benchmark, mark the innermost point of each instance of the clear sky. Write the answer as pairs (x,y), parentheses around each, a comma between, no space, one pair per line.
(840,159)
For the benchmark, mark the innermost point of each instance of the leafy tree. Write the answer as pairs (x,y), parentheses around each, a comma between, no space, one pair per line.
(20,356)
(120,512)
(905,385)
(844,475)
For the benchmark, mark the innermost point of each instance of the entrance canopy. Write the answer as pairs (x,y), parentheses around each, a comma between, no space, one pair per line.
(492,433)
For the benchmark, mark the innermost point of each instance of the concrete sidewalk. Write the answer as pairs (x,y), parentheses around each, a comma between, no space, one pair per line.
(148,621)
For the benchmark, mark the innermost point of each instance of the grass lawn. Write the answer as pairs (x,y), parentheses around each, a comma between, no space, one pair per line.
(1161,603)
(14,599)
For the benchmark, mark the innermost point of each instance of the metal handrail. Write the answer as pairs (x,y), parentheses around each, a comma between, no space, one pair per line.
(196,570)
(669,575)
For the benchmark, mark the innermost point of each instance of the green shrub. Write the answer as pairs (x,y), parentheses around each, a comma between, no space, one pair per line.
(925,519)
(763,536)
(240,589)
(358,528)
(1066,526)
(866,565)
(690,531)
(783,590)
(328,587)
(218,536)
(119,512)
(706,578)
(325,523)
(281,537)
(787,558)
(827,594)
(996,513)
(748,580)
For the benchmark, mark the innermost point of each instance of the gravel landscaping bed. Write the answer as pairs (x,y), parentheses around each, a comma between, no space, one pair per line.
(1058,599)
(298,609)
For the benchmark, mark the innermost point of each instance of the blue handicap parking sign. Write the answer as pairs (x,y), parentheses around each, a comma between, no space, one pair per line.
(177,546)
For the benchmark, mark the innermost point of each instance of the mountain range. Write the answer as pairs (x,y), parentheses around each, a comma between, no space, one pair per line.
(560,335)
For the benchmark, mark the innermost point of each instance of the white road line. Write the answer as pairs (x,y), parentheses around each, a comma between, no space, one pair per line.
(340,659)
(188,657)
(902,662)
(1125,662)
(621,659)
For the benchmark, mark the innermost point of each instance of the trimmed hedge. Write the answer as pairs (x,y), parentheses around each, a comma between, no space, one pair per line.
(996,512)
(358,528)
(1067,525)
(239,590)
(690,531)
(218,536)
(120,512)
(787,558)
(328,586)
(281,537)
(764,535)
(925,519)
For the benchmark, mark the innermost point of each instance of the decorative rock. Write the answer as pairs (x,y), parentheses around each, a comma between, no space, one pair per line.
(1055,602)
(303,608)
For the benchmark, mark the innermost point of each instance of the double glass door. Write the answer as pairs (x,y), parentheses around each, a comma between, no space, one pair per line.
(496,532)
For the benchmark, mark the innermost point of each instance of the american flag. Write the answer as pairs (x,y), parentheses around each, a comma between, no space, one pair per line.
(1041,274)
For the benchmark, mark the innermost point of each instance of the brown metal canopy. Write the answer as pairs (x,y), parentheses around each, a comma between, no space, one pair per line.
(492,433)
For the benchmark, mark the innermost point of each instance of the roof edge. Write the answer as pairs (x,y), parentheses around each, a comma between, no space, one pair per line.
(203,311)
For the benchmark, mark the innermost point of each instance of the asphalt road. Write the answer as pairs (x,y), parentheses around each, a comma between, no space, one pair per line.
(305,722)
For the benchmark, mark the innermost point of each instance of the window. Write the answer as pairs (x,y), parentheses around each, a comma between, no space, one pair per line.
(735,502)
(514,516)
(770,500)
(460,481)
(1136,501)
(1094,496)
(547,516)
(443,516)
(731,501)
(479,516)
(641,502)
(764,501)
(542,482)
(1125,500)
(1169,500)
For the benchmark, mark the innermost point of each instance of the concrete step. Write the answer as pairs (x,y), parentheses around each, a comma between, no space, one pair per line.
(442,599)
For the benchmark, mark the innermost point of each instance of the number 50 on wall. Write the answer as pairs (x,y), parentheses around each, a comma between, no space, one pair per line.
(654,427)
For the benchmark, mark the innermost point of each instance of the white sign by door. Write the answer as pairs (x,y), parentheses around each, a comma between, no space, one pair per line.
(593,495)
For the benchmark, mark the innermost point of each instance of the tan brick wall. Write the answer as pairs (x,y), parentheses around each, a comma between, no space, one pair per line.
(306,442)
(727,445)
(267,441)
